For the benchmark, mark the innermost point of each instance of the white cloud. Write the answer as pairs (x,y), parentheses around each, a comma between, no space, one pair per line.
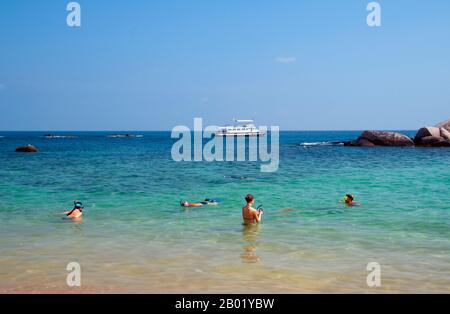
(286,60)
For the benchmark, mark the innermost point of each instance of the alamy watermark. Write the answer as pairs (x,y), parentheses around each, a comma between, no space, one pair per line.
(374,277)
(188,149)
(374,17)
(73,279)
(74,17)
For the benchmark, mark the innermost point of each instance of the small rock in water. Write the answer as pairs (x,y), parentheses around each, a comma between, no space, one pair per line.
(360,142)
(27,149)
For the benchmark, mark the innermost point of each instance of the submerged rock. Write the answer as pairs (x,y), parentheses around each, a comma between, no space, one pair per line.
(362,142)
(27,149)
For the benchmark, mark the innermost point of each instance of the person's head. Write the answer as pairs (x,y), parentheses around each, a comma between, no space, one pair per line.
(348,198)
(78,205)
(249,199)
(184,203)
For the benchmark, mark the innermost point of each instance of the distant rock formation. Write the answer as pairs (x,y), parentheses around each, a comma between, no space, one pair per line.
(434,136)
(445,134)
(429,136)
(444,124)
(27,149)
(380,138)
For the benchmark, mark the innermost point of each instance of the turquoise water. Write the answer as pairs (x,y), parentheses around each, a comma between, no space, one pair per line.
(134,237)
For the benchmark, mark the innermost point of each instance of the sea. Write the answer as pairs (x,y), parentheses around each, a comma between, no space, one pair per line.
(135,237)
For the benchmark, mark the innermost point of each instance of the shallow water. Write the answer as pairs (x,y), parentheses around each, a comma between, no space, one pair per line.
(134,237)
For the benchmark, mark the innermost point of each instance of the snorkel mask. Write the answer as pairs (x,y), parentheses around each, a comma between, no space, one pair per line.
(184,203)
(78,205)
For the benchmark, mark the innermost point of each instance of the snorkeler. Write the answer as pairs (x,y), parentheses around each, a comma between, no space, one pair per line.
(249,214)
(207,201)
(77,210)
(348,200)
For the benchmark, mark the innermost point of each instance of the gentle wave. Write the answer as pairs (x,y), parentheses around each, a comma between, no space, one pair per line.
(125,136)
(321,144)
(59,136)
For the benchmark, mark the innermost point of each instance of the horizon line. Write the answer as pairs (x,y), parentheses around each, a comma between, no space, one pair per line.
(287,130)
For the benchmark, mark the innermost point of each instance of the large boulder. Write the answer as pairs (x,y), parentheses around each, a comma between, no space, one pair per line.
(445,134)
(442,143)
(444,124)
(430,140)
(430,136)
(380,138)
(434,136)
(27,149)
(426,132)
(433,141)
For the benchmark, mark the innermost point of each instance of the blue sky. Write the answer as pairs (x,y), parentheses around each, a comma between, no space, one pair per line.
(151,65)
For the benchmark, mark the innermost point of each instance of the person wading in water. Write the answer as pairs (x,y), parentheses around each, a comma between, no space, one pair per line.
(249,214)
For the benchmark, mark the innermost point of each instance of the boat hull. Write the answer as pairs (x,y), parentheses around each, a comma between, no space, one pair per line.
(238,135)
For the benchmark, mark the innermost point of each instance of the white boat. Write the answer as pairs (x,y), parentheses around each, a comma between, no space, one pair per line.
(241,128)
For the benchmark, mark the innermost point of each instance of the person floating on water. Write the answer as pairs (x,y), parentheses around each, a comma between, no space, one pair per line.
(207,201)
(249,214)
(77,210)
(348,200)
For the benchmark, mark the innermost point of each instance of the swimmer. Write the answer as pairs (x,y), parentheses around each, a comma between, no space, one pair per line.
(348,200)
(77,210)
(249,214)
(207,201)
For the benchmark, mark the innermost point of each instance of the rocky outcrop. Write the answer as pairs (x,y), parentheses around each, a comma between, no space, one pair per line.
(444,124)
(427,132)
(359,142)
(433,141)
(430,136)
(27,149)
(445,134)
(434,136)
(380,138)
